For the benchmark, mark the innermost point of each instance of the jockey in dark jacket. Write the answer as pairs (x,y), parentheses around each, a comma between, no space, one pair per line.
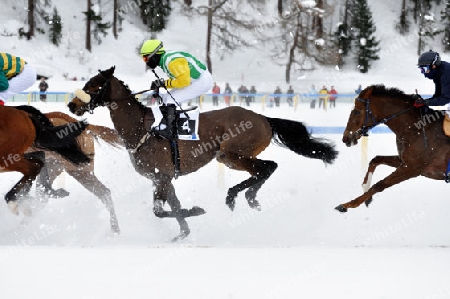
(433,68)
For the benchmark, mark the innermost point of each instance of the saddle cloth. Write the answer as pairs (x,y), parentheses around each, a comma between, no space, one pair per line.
(186,125)
(446,125)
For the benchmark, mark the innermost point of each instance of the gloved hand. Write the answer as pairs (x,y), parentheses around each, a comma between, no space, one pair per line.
(418,100)
(157,84)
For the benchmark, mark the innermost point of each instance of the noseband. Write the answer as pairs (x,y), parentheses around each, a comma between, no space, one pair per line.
(365,128)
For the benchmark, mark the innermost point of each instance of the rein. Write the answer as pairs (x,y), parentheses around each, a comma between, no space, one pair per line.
(364,130)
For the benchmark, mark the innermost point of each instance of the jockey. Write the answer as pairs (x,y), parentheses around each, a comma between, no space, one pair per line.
(433,68)
(188,78)
(15,76)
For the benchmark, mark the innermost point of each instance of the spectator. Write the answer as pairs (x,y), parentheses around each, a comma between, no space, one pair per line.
(290,95)
(43,86)
(323,97)
(252,93)
(215,91)
(228,93)
(313,96)
(359,89)
(277,97)
(243,93)
(246,96)
(332,97)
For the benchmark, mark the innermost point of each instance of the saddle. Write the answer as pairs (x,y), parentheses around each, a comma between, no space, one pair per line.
(185,127)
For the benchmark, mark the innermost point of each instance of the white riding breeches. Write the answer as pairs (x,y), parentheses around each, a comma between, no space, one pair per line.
(19,83)
(198,87)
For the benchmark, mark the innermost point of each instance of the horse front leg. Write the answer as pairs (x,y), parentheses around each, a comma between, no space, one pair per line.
(89,181)
(165,191)
(393,161)
(401,174)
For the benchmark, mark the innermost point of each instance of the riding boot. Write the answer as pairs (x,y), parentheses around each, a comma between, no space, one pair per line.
(169,115)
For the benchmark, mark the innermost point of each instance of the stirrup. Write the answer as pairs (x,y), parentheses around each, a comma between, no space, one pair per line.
(447,178)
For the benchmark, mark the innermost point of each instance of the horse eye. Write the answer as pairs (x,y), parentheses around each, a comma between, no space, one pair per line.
(356,112)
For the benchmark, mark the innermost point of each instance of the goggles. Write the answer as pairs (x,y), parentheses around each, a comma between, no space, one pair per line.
(424,69)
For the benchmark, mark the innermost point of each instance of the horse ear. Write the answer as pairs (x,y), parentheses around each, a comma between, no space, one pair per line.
(368,92)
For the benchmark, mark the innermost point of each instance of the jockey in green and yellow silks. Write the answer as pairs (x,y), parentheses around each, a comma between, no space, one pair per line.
(15,76)
(187,76)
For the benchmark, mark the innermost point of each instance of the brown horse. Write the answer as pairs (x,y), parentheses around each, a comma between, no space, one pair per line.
(234,136)
(24,126)
(84,174)
(422,147)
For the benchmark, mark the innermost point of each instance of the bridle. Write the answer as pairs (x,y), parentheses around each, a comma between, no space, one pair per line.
(96,97)
(365,128)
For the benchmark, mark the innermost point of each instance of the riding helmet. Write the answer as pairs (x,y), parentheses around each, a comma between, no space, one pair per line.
(152,47)
(429,58)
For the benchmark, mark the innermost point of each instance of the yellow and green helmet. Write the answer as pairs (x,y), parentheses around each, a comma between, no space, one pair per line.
(152,47)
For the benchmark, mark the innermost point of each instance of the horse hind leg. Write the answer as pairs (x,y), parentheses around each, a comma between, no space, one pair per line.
(260,170)
(29,165)
(45,179)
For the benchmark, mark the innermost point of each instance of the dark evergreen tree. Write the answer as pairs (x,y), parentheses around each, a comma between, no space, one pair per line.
(403,23)
(100,27)
(55,28)
(445,18)
(155,13)
(366,45)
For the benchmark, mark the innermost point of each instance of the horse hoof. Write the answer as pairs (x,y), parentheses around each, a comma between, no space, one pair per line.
(368,202)
(115,231)
(341,208)
(60,193)
(13,207)
(196,211)
(181,236)
(231,206)
(254,204)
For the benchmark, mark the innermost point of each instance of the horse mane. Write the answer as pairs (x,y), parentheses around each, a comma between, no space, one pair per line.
(381,90)
(141,106)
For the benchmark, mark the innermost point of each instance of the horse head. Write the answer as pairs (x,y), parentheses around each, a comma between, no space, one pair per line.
(93,93)
(378,105)
(360,118)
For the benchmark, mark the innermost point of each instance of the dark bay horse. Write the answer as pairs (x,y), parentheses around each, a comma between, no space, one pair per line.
(24,126)
(84,174)
(234,136)
(422,147)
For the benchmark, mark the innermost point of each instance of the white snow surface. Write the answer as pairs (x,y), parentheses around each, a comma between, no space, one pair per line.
(298,246)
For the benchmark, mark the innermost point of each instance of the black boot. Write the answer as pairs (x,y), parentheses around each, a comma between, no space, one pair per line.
(169,113)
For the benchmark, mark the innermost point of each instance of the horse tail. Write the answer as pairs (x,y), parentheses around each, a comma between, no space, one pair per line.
(108,135)
(295,136)
(60,139)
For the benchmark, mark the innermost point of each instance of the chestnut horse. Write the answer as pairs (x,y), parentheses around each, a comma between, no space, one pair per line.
(233,136)
(422,147)
(24,126)
(84,174)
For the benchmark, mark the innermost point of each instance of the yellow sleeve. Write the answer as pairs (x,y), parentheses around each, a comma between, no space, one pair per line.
(179,68)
